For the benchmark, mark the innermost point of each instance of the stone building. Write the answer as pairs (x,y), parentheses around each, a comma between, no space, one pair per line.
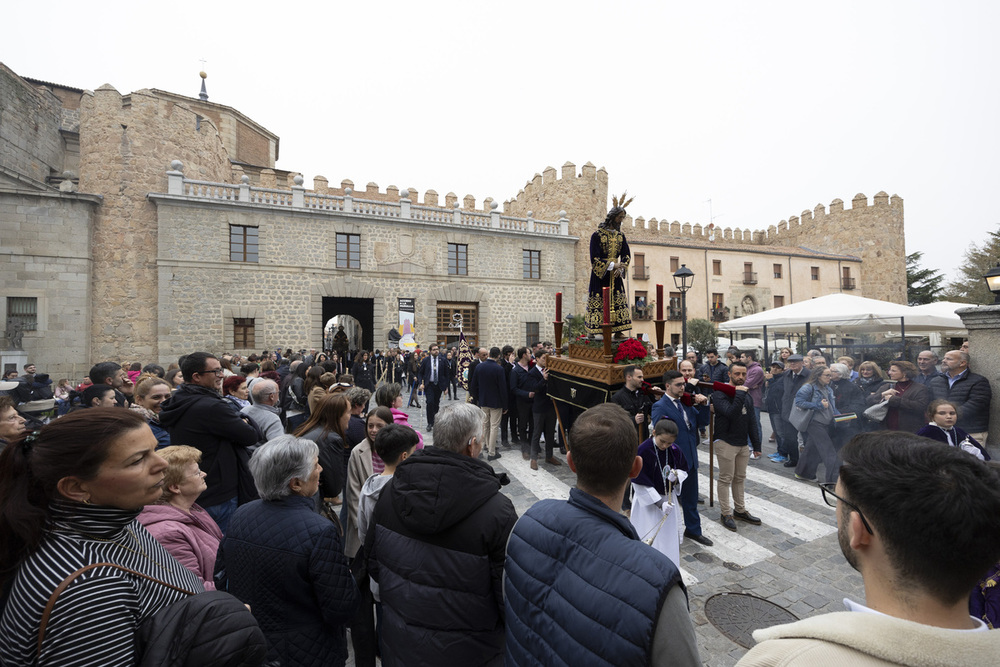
(143,226)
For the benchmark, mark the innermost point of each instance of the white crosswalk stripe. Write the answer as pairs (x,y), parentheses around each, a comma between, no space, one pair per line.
(791,487)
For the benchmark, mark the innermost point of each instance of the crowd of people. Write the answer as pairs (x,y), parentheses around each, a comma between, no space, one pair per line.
(265,505)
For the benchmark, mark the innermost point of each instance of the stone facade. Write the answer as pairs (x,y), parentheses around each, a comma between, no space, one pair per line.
(201,290)
(46,255)
(161,282)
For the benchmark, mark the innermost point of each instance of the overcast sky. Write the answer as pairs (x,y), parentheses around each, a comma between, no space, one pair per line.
(764,108)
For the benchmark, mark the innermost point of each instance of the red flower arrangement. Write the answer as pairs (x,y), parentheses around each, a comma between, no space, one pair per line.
(630,350)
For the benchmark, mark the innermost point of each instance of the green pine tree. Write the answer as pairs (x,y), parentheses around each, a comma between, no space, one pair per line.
(922,285)
(702,335)
(970,287)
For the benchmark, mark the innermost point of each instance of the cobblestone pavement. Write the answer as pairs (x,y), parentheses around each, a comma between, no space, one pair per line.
(792,560)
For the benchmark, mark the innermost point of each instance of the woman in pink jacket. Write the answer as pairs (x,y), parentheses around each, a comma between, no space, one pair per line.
(184,529)
(390,395)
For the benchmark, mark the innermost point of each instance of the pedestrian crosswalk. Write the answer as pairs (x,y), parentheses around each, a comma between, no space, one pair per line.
(751,544)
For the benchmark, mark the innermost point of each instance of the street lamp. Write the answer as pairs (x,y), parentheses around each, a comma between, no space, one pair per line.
(683,279)
(993,282)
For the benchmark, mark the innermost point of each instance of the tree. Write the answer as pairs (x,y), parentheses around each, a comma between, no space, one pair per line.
(922,285)
(970,286)
(702,335)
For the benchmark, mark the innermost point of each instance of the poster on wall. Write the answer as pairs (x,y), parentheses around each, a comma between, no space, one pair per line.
(407,332)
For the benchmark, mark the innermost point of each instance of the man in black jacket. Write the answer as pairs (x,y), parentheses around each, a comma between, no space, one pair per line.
(489,386)
(436,548)
(970,392)
(793,378)
(435,377)
(636,403)
(735,423)
(197,415)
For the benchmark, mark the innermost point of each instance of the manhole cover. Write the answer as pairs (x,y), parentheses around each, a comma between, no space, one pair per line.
(704,557)
(732,566)
(737,615)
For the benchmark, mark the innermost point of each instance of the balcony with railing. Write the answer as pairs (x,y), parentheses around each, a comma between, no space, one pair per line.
(674,314)
(720,314)
(640,273)
(749,277)
(847,283)
(642,313)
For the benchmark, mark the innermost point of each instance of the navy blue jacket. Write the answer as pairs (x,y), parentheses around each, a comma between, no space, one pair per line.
(717,373)
(489,385)
(972,394)
(581,588)
(287,562)
(522,382)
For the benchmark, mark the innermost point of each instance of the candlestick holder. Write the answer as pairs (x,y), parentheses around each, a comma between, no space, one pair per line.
(559,331)
(606,330)
(661,348)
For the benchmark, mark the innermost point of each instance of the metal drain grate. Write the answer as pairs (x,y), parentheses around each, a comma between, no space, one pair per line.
(737,615)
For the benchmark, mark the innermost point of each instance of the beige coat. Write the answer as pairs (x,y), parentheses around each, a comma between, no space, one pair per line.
(854,638)
(359,469)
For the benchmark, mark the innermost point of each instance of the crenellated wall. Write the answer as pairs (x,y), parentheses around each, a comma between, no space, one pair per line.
(871,231)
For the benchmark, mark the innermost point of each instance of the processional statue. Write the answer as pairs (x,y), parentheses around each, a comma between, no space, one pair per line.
(609,260)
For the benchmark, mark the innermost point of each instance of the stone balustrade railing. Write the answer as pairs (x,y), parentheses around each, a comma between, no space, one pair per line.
(298,198)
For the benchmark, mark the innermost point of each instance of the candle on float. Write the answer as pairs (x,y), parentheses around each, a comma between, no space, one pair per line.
(607,304)
(558,306)
(659,302)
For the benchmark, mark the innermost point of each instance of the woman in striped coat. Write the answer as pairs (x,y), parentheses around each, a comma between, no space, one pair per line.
(69,497)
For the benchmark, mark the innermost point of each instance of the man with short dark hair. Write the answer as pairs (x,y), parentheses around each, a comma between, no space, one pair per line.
(679,408)
(112,374)
(572,561)
(434,376)
(522,385)
(635,402)
(489,384)
(197,415)
(735,423)
(921,523)
(713,370)
(970,392)
(755,386)
(436,549)
(482,354)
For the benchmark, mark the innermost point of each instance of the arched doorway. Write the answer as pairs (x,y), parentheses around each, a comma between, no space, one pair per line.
(357,316)
(352,337)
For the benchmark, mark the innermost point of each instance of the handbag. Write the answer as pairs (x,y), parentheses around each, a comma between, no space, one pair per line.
(877,413)
(800,418)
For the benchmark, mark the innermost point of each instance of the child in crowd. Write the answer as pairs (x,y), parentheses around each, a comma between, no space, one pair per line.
(942,415)
(655,506)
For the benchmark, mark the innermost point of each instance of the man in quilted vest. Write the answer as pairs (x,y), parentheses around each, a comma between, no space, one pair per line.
(580,586)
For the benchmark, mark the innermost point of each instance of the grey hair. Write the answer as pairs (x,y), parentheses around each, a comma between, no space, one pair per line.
(263,388)
(277,462)
(457,425)
(844,371)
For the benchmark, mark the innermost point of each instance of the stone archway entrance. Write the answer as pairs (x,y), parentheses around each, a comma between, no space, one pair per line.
(357,316)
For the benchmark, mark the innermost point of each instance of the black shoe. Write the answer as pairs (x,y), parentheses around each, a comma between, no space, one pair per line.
(701,500)
(505,444)
(700,539)
(790,464)
(746,516)
(728,522)
(493,457)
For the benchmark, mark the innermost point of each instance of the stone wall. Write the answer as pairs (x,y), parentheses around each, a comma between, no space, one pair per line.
(30,119)
(45,254)
(583,196)
(125,143)
(200,289)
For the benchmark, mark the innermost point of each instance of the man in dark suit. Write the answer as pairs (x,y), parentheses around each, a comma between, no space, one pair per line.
(689,419)
(791,380)
(482,354)
(434,376)
(489,386)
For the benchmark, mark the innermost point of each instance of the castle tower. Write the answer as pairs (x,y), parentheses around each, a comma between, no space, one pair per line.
(126,146)
(584,198)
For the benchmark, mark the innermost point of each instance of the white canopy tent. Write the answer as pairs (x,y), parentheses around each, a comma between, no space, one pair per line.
(845,312)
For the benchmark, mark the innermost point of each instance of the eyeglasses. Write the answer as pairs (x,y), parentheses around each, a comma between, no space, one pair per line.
(827,490)
(217,371)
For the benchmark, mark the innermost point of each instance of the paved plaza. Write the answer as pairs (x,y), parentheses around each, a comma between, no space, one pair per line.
(792,560)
